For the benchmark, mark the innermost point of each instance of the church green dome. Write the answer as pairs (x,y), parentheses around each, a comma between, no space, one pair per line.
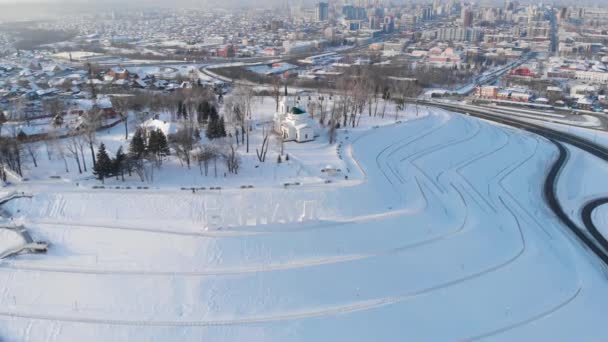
(296,110)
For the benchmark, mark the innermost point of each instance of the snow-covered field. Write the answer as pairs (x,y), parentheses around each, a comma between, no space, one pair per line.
(600,219)
(596,136)
(9,240)
(581,180)
(440,234)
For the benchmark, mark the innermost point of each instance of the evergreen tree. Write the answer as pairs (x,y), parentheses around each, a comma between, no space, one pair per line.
(153,143)
(199,113)
(104,166)
(21,135)
(137,148)
(221,128)
(163,144)
(212,129)
(179,110)
(204,111)
(158,145)
(213,113)
(120,164)
(216,128)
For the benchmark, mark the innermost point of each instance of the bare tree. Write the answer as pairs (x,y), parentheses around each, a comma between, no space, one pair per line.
(280,140)
(402,91)
(92,75)
(203,156)
(92,122)
(71,148)
(235,114)
(3,120)
(373,90)
(232,159)
(261,153)
(61,151)
(248,98)
(54,107)
(11,154)
(332,132)
(121,106)
(50,141)
(324,113)
(183,141)
(344,98)
(32,152)
(80,143)
(360,98)
(239,109)
(276,92)
(18,110)
(386,96)
(321,105)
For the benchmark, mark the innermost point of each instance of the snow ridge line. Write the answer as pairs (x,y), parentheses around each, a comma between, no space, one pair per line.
(13,196)
(270,268)
(526,211)
(536,317)
(437,148)
(481,156)
(338,310)
(349,150)
(470,161)
(556,138)
(559,164)
(237,271)
(344,309)
(422,152)
(529,320)
(400,144)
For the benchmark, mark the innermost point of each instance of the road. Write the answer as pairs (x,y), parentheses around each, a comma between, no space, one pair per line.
(586,214)
(588,235)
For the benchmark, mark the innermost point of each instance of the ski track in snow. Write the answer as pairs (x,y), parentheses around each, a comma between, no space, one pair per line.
(423,163)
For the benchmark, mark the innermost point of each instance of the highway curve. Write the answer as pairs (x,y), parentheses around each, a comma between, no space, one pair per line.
(588,220)
(596,242)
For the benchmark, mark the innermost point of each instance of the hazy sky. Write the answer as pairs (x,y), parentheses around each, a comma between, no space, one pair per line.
(101,3)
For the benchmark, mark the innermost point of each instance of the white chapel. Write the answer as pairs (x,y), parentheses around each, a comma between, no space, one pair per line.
(293,123)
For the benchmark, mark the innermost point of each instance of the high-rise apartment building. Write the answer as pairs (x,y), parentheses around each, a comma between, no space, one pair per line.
(322,11)
(467,17)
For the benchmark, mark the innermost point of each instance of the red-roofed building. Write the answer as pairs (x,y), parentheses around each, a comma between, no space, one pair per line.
(523,72)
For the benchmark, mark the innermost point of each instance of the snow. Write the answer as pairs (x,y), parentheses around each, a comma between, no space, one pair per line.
(102,102)
(165,126)
(441,234)
(600,219)
(595,135)
(76,55)
(579,120)
(582,180)
(277,68)
(484,78)
(9,240)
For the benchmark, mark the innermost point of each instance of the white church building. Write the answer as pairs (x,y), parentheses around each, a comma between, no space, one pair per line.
(293,123)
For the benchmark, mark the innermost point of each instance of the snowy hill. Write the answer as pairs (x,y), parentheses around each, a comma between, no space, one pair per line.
(441,235)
